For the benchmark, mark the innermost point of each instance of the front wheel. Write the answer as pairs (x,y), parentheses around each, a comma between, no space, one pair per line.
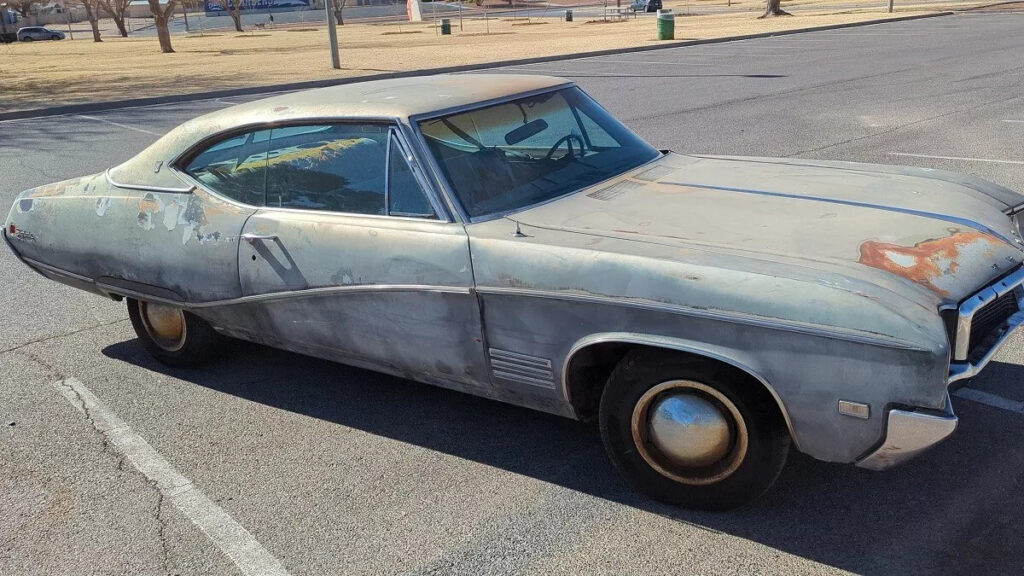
(690,432)
(173,336)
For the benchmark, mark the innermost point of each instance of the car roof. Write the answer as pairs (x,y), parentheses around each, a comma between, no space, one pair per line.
(393,98)
(399,98)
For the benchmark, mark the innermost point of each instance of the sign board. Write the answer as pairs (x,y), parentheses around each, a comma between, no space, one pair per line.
(214,7)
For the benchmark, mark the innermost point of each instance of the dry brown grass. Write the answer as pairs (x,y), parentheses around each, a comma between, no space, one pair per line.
(43,74)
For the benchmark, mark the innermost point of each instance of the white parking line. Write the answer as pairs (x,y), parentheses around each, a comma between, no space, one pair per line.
(990,400)
(125,126)
(232,539)
(1015,121)
(989,160)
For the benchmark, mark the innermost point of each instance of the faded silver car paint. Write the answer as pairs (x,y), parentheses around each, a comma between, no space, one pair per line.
(823,281)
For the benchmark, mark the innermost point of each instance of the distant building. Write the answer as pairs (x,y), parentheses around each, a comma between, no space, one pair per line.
(140,8)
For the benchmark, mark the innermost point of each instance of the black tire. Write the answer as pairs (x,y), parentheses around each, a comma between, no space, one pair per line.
(754,466)
(198,342)
(54,37)
(27,39)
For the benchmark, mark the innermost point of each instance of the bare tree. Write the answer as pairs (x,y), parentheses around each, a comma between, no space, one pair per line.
(117,9)
(21,6)
(92,14)
(339,5)
(161,17)
(774,8)
(234,9)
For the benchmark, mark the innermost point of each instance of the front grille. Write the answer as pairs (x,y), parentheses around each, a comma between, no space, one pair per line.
(986,322)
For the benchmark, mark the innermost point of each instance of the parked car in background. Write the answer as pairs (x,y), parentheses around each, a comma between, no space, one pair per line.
(506,236)
(646,5)
(30,33)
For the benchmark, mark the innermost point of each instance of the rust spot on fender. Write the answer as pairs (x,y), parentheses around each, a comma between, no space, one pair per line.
(925,261)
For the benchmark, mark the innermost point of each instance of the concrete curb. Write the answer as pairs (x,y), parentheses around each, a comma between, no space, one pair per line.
(155,100)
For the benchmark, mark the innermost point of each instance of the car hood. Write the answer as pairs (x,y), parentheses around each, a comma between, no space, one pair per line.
(937,231)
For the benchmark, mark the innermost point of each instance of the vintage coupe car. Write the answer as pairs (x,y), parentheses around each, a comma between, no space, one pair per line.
(505,236)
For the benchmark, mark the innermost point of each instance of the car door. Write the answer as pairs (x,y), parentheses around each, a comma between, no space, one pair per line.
(351,259)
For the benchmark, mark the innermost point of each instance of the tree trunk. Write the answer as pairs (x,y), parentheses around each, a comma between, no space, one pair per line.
(774,8)
(162,33)
(119,21)
(339,7)
(93,18)
(236,16)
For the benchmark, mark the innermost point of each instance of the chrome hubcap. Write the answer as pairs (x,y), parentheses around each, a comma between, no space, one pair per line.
(689,432)
(164,324)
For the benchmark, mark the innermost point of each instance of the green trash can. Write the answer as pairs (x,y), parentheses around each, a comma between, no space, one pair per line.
(446,27)
(666,25)
(568,15)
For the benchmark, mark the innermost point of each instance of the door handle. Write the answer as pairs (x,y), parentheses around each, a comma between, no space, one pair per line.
(250,238)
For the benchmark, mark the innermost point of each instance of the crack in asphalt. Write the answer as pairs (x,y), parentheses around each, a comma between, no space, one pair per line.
(55,336)
(161,532)
(120,457)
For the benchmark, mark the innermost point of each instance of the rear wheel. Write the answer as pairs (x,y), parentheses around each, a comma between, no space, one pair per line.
(173,336)
(691,432)
(27,39)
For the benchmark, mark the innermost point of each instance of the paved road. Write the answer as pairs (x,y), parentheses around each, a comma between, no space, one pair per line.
(334,470)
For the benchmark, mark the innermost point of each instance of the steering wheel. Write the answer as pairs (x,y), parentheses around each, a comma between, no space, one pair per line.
(567,139)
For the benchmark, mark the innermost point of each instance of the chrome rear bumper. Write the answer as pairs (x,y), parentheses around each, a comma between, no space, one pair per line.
(908,433)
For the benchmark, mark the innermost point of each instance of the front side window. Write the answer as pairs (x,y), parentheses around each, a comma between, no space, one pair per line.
(515,154)
(234,167)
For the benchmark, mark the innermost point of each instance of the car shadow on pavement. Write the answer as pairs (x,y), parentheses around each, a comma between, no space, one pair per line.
(955,509)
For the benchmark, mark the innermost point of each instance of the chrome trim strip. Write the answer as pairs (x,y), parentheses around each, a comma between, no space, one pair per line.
(112,182)
(672,344)
(964,370)
(970,307)
(933,215)
(908,433)
(55,270)
(739,318)
(517,357)
(548,384)
(525,369)
(307,293)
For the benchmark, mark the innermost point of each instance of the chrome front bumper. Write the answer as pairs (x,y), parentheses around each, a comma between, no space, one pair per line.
(960,367)
(908,433)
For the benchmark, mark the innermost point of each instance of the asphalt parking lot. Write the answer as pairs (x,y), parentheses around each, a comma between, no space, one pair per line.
(335,470)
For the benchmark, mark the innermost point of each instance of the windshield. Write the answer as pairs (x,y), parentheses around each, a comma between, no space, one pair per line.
(511,155)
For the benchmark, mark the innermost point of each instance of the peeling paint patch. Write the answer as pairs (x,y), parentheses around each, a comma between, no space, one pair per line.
(193,217)
(25,205)
(102,204)
(149,205)
(171,215)
(927,261)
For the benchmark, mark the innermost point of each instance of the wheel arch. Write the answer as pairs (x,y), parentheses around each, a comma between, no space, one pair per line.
(579,391)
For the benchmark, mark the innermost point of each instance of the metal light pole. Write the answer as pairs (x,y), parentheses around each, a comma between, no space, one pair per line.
(890,5)
(332,32)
